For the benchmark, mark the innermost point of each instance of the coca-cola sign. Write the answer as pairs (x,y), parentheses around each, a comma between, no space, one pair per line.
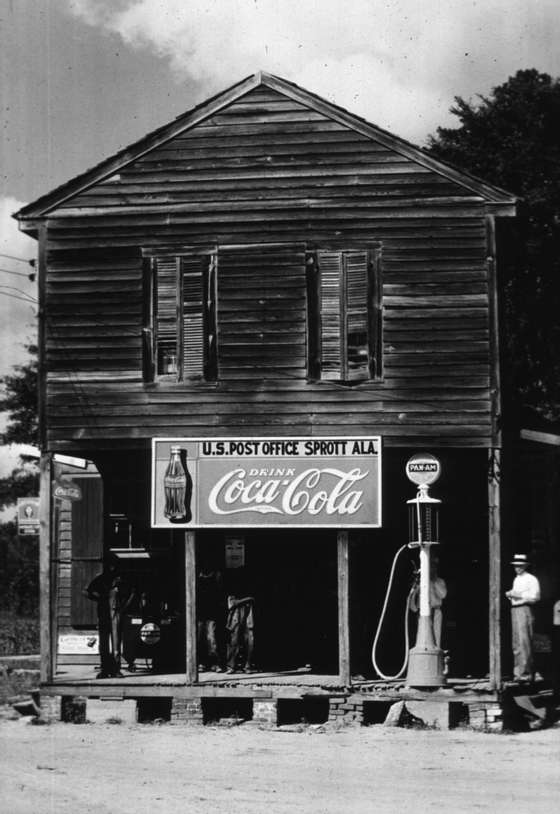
(225,482)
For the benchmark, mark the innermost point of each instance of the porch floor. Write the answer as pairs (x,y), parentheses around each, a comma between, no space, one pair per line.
(81,680)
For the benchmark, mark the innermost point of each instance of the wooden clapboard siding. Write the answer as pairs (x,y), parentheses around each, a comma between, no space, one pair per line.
(261,313)
(262,181)
(93,315)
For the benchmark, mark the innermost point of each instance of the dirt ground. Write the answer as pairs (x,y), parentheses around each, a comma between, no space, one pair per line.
(165,768)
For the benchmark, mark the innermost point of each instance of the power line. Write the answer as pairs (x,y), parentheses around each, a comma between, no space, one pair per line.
(15,297)
(31,262)
(30,276)
(20,291)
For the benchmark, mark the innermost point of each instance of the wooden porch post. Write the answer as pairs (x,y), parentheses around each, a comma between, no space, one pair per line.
(190,607)
(343,609)
(45,570)
(494,468)
(494,569)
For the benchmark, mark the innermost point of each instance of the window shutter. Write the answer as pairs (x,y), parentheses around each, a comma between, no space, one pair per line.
(166,283)
(210,283)
(330,269)
(193,317)
(356,333)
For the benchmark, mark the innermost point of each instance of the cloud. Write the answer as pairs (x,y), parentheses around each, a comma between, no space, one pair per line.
(18,322)
(399,63)
(10,455)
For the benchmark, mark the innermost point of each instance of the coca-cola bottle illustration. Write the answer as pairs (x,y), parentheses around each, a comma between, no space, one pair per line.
(177,486)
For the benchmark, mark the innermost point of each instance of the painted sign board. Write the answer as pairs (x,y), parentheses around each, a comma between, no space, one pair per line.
(261,482)
(423,469)
(78,644)
(28,515)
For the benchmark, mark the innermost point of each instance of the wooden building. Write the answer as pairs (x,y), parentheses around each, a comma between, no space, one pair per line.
(270,266)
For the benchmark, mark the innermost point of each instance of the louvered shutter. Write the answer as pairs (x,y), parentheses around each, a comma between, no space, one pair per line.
(185,316)
(166,269)
(355,337)
(193,341)
(210,288)
(330,271)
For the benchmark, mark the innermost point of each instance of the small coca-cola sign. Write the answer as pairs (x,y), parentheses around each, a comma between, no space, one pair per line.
(66,490)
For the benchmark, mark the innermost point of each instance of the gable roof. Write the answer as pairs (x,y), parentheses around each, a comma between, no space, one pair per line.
(188,120)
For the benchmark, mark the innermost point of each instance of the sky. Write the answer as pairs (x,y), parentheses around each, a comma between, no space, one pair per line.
(80,79)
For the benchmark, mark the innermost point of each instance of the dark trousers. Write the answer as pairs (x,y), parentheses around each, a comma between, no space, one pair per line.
(208,651)
(241,638)
(110,638)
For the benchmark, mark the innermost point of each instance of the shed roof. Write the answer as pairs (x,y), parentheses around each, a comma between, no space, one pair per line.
(114,164)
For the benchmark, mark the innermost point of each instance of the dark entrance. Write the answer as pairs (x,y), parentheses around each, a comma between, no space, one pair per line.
(293,578)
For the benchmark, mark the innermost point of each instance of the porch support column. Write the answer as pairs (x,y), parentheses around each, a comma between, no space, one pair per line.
(494,467)
(190,607)
(494,569)
(45,569)
(343,609)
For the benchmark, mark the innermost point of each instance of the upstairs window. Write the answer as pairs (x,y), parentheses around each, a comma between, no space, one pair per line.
(183,318)
(344,294)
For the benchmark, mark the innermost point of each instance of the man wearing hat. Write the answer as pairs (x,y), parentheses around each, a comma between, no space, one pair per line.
(525,593)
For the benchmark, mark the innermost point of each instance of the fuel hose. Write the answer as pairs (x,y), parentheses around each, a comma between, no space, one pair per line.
(381,620)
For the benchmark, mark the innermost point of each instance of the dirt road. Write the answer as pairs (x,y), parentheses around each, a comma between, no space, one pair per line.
(121,769)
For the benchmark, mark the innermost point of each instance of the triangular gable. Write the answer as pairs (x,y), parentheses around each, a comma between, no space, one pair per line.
(111,166)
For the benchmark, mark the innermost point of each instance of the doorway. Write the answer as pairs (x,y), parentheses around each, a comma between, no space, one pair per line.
(292,575)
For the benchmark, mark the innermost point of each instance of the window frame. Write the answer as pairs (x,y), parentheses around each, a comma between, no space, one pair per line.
(209,291)
(374,315)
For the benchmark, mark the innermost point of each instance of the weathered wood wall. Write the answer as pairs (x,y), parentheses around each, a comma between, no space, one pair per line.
(270,174)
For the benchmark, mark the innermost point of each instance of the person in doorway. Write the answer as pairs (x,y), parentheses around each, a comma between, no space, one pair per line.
(523,596)
(112,598)
(209,609)
(438,592)
(139,610)
(240,624)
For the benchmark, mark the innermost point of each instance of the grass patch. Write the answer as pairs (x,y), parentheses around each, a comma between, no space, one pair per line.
(19,635)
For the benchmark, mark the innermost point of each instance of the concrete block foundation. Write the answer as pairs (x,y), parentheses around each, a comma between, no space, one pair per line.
(51,708)
(109,710)
(265,713)
(187,711)
(433,714)
(347,709)
(486,716)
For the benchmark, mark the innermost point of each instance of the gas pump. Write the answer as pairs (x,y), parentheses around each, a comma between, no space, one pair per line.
(425,660)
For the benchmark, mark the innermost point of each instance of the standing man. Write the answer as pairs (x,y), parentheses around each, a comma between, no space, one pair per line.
(438,592)
(112,598)
(209,609)
(523,596)
(240,625)
(556,650)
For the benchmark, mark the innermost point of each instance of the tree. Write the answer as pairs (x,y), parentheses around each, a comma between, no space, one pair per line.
(19,561)
(19,571)
(510,139)
(19,400)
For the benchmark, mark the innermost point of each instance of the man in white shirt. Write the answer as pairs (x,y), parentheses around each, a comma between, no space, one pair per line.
(525,593)
(556,649)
